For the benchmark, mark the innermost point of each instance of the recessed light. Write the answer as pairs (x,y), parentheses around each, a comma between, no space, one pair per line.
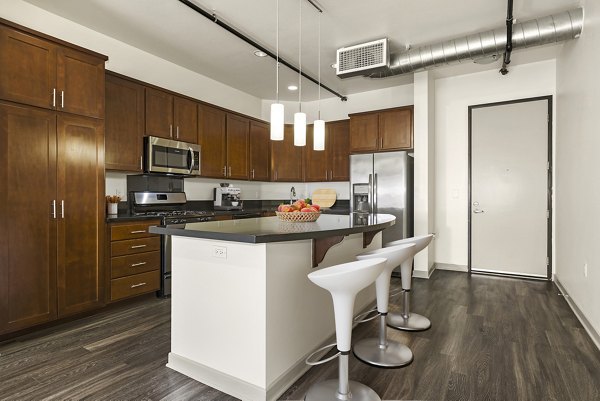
(260,53)
(292,87)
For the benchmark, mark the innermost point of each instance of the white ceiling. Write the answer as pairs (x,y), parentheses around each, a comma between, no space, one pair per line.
(173,31)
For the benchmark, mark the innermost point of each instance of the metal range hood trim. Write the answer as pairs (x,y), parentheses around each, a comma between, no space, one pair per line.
(545,30)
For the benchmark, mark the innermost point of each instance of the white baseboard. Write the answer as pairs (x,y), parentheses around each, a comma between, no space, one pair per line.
(586,323)
(448,266)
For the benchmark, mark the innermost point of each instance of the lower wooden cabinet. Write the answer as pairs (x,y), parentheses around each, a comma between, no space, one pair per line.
(134,259)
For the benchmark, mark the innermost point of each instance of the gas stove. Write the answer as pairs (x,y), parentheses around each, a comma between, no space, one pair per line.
(169,206)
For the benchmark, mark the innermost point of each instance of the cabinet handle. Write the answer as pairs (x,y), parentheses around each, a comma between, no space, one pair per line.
(330,175)
(177,132)
(138,285)
(381,143)
(171,130)
(62,99)
(229,171)
(252,173)
(138,232)
(138,264)
(62,209)
(138,246)
(141,163)
(224,171)
(275,175)
(54,97)
(54,208)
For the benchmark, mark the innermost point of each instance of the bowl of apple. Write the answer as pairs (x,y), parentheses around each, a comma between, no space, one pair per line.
(299,211)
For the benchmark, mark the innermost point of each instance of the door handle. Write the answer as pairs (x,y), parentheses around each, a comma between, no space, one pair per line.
(191,152)
(478,211)
(62,99)
(62,209)
(177,132)
(375,193)
(54,97)
(54,208)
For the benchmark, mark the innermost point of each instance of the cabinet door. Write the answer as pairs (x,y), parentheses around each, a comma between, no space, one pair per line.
(259,151)
(80,83)
(316,162)
(211,135)
(237,147)
(124,124)
(159,113)
(28,68)
(286,159)
(364,132)
(80,187)
(338,141)
(185,117)
(395,129)
(27,226)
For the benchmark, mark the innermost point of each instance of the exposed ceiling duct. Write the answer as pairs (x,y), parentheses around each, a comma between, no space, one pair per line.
(484,46)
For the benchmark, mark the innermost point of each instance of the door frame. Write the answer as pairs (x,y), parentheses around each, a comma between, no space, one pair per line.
(549,241)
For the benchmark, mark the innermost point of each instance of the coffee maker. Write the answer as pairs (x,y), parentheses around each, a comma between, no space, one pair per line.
(361,201)
(228,198)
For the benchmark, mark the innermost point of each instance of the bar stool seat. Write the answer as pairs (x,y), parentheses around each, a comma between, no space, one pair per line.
(380,351)
(343,283)
(407,320)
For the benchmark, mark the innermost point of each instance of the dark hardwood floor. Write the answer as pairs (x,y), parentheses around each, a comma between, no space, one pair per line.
(492,339)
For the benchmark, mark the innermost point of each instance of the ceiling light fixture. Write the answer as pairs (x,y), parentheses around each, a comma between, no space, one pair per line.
(319,125)
(300,117)
(260,53)
(293,87)
(277,112)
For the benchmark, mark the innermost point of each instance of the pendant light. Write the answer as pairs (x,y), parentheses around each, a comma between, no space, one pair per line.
(300,117)
(319,125)
(277,112)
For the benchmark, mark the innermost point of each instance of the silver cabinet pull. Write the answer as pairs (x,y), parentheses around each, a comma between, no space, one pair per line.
(177,132)
(138,232)
(62,209)
(138,285)
(138,264)
(252,173)
(138,246)
(62,99)
(171,130)
(141,163)
(224,171)
(381,143)
(54,208)
(54,97)
(229,171)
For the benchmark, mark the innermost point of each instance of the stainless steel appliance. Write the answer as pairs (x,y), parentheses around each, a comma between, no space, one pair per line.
(383,183)
(171,157)
(228,198)
(170,208)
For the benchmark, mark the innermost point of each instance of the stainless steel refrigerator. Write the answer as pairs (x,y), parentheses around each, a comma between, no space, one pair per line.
(383,183)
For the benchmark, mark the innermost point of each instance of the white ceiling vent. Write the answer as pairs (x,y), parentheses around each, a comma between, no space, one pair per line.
(362,59)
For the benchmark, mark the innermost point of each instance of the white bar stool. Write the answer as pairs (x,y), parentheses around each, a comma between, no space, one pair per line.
(379,351)
(344,282)
(408,320)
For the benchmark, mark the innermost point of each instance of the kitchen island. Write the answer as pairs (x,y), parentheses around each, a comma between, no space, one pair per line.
(244,314)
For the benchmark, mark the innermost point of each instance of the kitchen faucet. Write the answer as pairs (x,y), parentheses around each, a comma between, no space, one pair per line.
(292,195)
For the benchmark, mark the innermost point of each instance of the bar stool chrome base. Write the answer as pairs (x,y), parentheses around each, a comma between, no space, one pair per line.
(328,391)
(414,322)
(393,355)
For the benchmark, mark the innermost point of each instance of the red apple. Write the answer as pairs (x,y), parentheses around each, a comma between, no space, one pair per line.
(307,209)
(316,207)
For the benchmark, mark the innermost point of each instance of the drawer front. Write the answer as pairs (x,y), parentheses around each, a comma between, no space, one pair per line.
(137,284)
(132,230)
(121,266)
(133,246)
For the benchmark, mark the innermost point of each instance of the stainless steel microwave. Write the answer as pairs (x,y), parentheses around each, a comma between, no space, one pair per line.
(171,157)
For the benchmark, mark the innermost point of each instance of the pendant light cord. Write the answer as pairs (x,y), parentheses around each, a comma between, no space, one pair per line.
(277,60)
(300,56)
(319,61)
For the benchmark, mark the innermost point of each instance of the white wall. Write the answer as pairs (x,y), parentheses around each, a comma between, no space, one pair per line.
(577,178)
(130,61)
(453,96)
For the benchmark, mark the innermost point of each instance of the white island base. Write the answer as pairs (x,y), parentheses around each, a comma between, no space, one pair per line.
(245,323)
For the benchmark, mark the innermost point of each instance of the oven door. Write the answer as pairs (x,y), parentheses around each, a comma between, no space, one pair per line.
(171,157)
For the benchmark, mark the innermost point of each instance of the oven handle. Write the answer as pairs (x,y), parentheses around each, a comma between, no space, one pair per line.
(191,154)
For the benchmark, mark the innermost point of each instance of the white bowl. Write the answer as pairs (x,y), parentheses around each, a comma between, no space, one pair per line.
(235,203)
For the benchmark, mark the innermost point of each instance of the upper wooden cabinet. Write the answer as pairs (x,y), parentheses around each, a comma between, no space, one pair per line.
(259,151)
(42,73)
(171,117)
(331,164)
(124,130)
(286,159)
(383,130)
(212,139)
(237,146)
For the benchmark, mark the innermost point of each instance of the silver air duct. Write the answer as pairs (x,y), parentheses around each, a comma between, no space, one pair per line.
(486,45)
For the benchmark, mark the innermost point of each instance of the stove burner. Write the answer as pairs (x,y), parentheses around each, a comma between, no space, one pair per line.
(173,213)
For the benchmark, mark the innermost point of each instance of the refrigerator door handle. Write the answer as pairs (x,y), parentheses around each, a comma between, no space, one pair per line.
(375,193)
(371,203)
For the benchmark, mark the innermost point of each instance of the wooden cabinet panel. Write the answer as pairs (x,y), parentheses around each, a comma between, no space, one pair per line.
(316,162)
(185,117)
(338,141)
(364,133)
(27,226)
(124,124)
(133,264)
(395,129)
(80,189)
(80,81)
(237,147)
(159,113)
(28,68)
(286,159)
(212,139)
(222,217)
(120,231)
(137,284)
(130,247)
(259,151)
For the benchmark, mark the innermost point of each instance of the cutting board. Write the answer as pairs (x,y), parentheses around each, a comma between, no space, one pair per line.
(324,197)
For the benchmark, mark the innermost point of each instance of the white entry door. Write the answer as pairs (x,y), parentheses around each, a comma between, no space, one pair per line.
(509,188)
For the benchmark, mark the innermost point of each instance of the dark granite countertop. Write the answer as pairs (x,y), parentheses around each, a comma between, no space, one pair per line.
(271,229)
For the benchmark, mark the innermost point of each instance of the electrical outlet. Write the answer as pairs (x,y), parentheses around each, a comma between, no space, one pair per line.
(219,252)
(585,270)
